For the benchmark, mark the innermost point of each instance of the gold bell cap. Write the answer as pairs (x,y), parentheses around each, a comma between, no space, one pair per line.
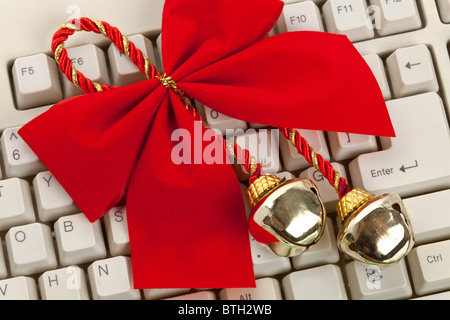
(261,187)
(351,202)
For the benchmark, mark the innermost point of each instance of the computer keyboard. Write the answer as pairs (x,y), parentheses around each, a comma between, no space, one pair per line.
(48,248)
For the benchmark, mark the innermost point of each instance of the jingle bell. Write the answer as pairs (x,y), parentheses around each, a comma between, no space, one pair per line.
(376,229)
(287,216)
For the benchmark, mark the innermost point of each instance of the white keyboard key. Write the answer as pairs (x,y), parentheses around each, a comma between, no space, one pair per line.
(266,289)
(444,10)
(123,70)
(52,201)
(201,295)
(327,192)
(64,284)
(16,204)
(368,282)
(3,270)
(376,65)
(156,294)
(348,17)
(265,262)
(79,240)
(117,231)
(430,267)
(263,146)
(396,16)
(293,160)
(91,62)
(345,146)
(112,279)
(300,16)
(225,124)
(30,249)
(323,252)
(411,70)
(320,283)
(417,160)
(437,296)
(36,81)
(429,222)
(19,160)
(20,288)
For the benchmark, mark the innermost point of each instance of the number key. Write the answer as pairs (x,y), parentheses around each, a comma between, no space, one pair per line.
(20,161)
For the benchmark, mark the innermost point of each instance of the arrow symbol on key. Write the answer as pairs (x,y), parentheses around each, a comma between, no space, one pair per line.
(403,168)
(409,65)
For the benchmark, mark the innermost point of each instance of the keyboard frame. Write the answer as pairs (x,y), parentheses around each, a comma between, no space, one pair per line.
(139,17)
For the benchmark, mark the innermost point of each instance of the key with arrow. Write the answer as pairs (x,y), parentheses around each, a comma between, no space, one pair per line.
(403,168)
(412,71)
(419,156)
(409,65)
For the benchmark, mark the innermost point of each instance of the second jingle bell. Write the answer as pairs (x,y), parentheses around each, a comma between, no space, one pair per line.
(375,229)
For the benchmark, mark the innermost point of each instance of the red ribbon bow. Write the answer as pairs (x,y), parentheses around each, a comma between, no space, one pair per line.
(187,223)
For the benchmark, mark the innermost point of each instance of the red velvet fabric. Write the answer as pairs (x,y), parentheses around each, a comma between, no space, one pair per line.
(186,221)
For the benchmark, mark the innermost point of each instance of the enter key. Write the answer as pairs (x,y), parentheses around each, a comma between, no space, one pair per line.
(417,160)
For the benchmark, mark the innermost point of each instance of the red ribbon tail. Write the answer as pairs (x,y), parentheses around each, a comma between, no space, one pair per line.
(187,222)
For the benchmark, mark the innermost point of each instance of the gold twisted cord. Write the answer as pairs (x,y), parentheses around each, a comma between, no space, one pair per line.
(102,29)
(315,163)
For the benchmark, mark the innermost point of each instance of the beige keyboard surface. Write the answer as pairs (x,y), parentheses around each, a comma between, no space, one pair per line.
(49,250)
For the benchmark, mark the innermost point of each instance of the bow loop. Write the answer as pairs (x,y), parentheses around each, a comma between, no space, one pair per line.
(197,33)
(307,80)
(92,145)
(100,27)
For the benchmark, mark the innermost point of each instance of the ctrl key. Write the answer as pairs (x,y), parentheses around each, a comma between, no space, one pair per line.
(430,267)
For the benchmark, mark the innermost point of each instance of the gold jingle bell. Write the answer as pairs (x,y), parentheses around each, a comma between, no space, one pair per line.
(287,216)
(375,229)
